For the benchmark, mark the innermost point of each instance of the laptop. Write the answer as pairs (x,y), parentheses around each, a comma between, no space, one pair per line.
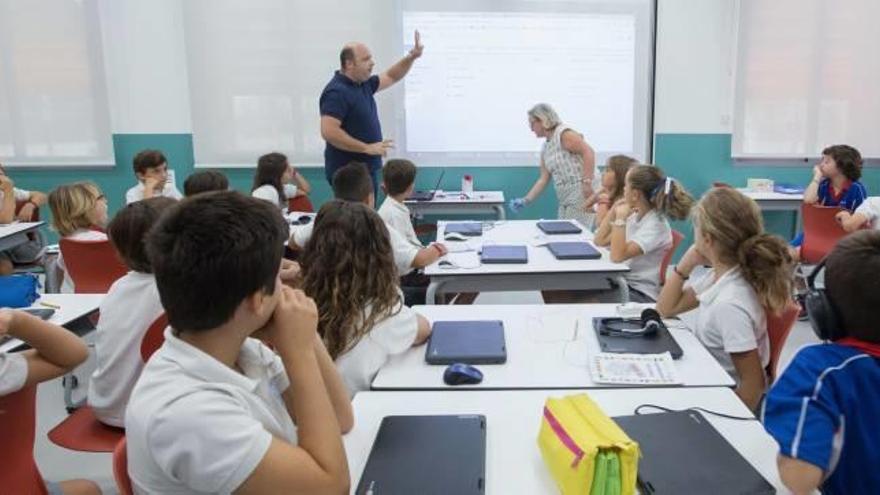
(427,195)
(502,254)
(610,341)
(469,229)
(573,251)
(559,227)
(683,453)
(427,455)
(471,342)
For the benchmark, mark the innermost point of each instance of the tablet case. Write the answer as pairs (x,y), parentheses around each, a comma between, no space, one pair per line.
(470,342)
(573,250)
(469,229)
(559,227)
(658,343)
(497,253)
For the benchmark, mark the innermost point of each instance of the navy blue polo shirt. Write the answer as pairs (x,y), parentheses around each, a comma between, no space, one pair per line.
(353,104)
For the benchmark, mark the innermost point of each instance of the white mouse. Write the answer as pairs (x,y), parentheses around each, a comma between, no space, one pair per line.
(454,236)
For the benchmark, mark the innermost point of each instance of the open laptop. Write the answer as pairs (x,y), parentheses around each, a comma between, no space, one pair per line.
(471,342)
(683,453)
(618,342)
(573,250)
(504,254)
(427,195)
(427,455)
(559,227)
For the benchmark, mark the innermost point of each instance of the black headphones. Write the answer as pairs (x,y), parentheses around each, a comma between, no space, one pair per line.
(621,327)
(823,315)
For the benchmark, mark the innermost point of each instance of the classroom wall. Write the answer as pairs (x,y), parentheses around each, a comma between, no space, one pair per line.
(149,100)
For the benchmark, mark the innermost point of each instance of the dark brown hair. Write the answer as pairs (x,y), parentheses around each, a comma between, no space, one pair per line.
(147,159)
(651,182)
(398,175)
(852,283)
(128,230)
(619,165)
(205,181)
(353,182)
(270,168)
(847,158)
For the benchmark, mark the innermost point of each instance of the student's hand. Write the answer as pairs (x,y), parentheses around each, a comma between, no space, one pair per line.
(441,248)
(6,316)
(379,148)
(842,216)
(417,49)
(26,212)
(817,173)
(294,322)
(691,259)
(622,210)
(289,270)
(153,184)
(6,184)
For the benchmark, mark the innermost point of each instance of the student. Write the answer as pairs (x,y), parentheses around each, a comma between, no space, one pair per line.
(823,409)
(131,306)
(350,253)
(865,216)
(750,274)
(205,181)
(276,181)
(9,196)
(637,230)
(79,212)
(398,182)
(613,180)
(216,411)
(151,169)
(54,352)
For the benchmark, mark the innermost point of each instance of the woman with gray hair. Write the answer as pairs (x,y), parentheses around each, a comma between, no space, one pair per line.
(569,160)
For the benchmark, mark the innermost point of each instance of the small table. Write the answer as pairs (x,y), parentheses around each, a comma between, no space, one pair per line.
(774,201)
(459,203)
(13,234)
(72,307)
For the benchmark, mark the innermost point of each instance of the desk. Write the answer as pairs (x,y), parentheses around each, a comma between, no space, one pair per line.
(72,308)
(774,201)
(513,461)
(542,352)
(542,272)
(456,203)
(13,234)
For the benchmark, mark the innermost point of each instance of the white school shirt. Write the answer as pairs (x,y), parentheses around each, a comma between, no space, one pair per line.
(131,306)
(654,235)
(67,286)
(13,372)
(19,194)
(870,208)
(397,216)
(196,425)
(403,251)
(136,193)
(393,335)
(730,318)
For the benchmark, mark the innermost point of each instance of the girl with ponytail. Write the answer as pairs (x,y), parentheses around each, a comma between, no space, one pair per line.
(750,274)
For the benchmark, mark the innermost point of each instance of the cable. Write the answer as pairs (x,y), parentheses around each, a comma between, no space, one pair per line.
(638,412)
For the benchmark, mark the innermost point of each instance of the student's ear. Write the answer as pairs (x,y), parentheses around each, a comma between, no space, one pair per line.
(139,176)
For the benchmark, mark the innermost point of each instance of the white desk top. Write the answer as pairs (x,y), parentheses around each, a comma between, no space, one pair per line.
(13,228)
(521,232)
(457,197)
(771,195)
(72,306)
(541,351)
(513,418)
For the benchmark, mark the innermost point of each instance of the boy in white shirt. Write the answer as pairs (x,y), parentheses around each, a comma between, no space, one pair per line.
(216,411)
(151,169)
(867,215)
(9,196)
(398,182)
(131,306)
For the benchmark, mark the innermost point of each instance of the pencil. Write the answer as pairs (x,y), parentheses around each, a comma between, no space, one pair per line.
(49,305)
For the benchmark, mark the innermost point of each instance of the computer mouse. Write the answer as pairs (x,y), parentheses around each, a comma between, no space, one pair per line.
(445,263)
(454,236)
(301,220)
(462,374)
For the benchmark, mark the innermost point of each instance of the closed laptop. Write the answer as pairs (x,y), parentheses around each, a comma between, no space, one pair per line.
(471,342)
(498,254)
(573,250)
(559,227)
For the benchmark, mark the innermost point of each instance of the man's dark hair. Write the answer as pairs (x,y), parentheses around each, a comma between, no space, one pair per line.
(212,251)
(346,55)
(205,181)
(852,284)
(128,230)
(398,175)
(847,158)
(353,182)
(147,159)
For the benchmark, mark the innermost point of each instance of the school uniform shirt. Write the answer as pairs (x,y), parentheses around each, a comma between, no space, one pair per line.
(851,196)
(131,306)
(871,211)
(392,335)
(267,192)
(653,234)
(194,424)
(397,216)
(67,286)
(13,372)
(823,410)
(136,193)
(403,251)
(19,194)
(730,318)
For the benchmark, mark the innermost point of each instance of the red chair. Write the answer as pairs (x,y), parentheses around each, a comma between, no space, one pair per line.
(677,237)
(93,265)
(154,337)
(778,328)
(120,468)
(821,232)
(19,473)
(83,432)
(300,203)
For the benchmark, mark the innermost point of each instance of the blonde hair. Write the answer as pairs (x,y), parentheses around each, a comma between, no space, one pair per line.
(734,223)
(544,113)
(73,207)
(665,194)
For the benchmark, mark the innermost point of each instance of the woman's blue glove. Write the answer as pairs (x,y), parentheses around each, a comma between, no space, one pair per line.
(517,204)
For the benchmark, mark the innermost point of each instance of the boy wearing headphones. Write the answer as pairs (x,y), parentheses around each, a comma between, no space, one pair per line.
(823,410)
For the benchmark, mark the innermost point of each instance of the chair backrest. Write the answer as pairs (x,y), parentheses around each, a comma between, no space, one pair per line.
(93,265)
(19,473)
(821,232)
(300,203)
(778,328)
(154,337)
(120,468)
(677,237)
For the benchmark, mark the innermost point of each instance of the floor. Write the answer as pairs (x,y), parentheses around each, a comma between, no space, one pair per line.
(57,463)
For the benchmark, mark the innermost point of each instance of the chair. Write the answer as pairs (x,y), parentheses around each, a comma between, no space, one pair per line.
(821,232)
(81,431)
(300,203)
(120,468)
(154,337)
(677,237)
(93,265)
(778,328)
(20,473)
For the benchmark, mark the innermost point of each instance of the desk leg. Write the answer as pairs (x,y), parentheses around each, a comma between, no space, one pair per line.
(622,288)
(499,212)
(431,294)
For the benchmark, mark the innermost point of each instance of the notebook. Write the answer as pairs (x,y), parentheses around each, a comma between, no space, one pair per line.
(469,229)
(427,455)
(498,254)
(683,453)
(559,227)
(658,343)
(573,250)
(471,342)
